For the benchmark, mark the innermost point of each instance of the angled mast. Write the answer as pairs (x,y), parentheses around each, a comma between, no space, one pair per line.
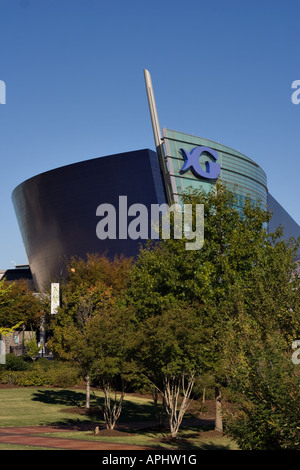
(158,137)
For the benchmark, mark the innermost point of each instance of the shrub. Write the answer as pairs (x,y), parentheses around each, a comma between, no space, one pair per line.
(265,400)
(66,376)
(15,363)
(42,373)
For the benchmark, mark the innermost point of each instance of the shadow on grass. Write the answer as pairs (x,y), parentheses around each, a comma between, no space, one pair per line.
(197,438)
(186,444)
(136,417)
(74,402)
(60,397)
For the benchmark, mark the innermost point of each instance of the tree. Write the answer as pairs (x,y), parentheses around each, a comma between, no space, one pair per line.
(18,304)
(93,286)
(166,272)
(171,349)
(263,388)
(240,265)
(5,298)
(6,328)
(109,336)
(32,348)
(9,331)
(263,311)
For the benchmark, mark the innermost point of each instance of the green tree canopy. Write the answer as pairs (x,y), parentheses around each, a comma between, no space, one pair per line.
(92,325)
(263,388)
(242,273)
(19,304)
(238,253)
(171,350)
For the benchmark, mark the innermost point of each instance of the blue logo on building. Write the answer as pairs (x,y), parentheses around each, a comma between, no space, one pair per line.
(192,161)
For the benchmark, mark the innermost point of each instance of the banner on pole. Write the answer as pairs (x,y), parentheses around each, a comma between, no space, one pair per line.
(2,352)
(54,297)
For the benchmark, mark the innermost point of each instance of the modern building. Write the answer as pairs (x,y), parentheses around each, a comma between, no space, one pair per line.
(58,211)
(21,271)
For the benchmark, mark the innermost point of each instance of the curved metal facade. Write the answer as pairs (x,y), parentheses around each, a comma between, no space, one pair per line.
(56,210)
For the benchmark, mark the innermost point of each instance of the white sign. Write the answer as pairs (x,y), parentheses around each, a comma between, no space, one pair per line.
(54,297)
(2,352)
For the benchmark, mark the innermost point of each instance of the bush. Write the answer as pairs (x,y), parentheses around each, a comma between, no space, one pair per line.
(15,363)
(265,399)
(28,378)
(66,376)
(44,363)
(42,373)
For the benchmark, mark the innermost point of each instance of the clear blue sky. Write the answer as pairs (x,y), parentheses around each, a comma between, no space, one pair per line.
(73,69)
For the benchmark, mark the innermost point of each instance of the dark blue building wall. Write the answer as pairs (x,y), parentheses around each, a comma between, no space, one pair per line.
(280,217)
(56,210)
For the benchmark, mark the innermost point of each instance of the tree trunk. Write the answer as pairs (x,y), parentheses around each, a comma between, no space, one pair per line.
(218,420)
(172,388)
(112,408)
(88,391)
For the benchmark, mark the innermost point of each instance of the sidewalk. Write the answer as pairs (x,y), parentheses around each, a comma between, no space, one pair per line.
(26,436)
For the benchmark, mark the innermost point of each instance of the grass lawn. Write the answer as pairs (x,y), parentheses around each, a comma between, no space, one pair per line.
(187,439)
(35,406)
(16,447)
(38,406)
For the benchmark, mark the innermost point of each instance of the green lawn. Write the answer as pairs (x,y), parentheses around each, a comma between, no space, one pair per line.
(16,447)
(34,406)
(187,439)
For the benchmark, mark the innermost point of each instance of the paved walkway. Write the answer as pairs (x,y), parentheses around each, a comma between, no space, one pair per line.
(25,436)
